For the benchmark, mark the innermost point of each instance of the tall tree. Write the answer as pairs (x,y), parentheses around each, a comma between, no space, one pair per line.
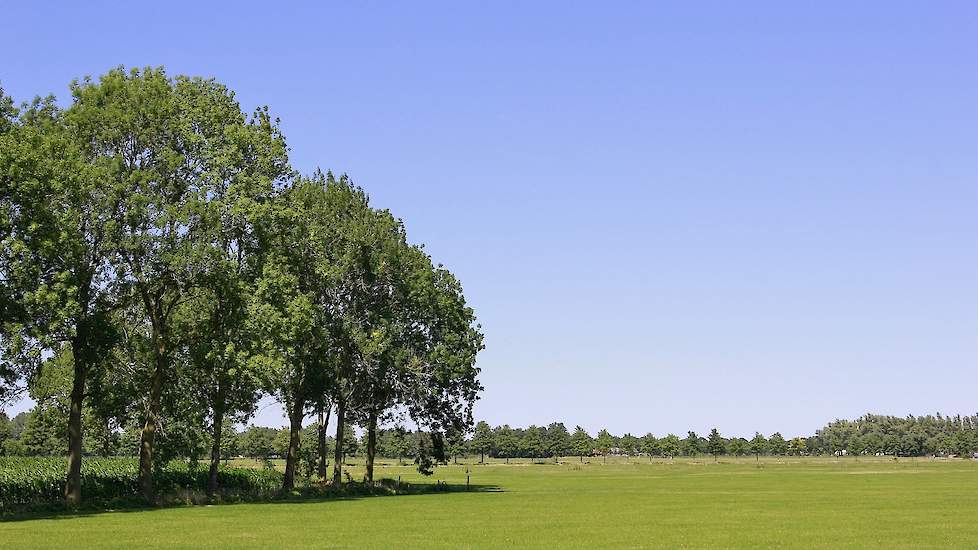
(440,377)
(55,211)
(309,299)
(233,217)
(167,145)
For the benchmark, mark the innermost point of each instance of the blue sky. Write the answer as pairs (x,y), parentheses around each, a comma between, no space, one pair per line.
(667,216)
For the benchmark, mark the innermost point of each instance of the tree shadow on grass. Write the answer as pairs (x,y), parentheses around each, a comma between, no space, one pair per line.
(344,492)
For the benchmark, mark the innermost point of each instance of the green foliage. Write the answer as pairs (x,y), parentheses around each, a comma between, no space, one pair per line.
(531,444)
(797,446)
(670,445)
(715,443)
(628,444)
(692,445)
(394,443)
(890,435)
(164,267)
(650,445)
(482,438)
(581,442)
(777,444)
(557,441)
(604,442)
(35,481)
(507,442)
(738,446)
(258,442)
(758,445)
(4,430)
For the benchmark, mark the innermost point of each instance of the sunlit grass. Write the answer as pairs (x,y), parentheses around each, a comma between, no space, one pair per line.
(681,503)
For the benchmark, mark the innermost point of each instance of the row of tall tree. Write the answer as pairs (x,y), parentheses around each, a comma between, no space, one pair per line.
(163,266)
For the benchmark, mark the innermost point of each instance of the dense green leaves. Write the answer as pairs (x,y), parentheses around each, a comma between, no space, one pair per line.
(36,481)
(156,241)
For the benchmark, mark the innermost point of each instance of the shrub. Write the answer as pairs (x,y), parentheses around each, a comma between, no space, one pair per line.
(27,482)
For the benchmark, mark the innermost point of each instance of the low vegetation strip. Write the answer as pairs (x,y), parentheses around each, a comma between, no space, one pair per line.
(36,482)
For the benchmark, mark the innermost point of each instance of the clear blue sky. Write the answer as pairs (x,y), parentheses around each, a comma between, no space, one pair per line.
(667,217)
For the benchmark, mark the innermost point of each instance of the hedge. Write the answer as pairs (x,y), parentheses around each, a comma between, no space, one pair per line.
(27,482)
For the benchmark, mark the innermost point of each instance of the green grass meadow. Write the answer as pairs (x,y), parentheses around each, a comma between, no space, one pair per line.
(682,503)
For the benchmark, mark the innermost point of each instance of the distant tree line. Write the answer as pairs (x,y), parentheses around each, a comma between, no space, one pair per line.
(39,433)
(162,268)
(868,435)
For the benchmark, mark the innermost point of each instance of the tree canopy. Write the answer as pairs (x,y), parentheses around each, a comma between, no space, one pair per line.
(162,257)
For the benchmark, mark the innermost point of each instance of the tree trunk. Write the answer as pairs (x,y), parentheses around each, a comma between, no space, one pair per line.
(216,443)
(292,455)
(147,439)
(482,457)
(323,422)
(73,482)
(338,451)
(371,445)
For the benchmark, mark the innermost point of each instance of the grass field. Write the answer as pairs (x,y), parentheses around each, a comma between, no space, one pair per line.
(736,503)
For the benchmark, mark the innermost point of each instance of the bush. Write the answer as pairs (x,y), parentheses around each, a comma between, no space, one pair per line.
(29,482)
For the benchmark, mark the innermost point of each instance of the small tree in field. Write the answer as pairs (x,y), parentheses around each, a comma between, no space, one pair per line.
(581,443)
(670,445)
(650,445)
(777,444)
(400,443)
(738,446)
(507,442)
(628,444)
(604,442)
(716,444)
(797,446)
(531,444)
(758,445)
(482,440)
(691,445)
(557,440)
